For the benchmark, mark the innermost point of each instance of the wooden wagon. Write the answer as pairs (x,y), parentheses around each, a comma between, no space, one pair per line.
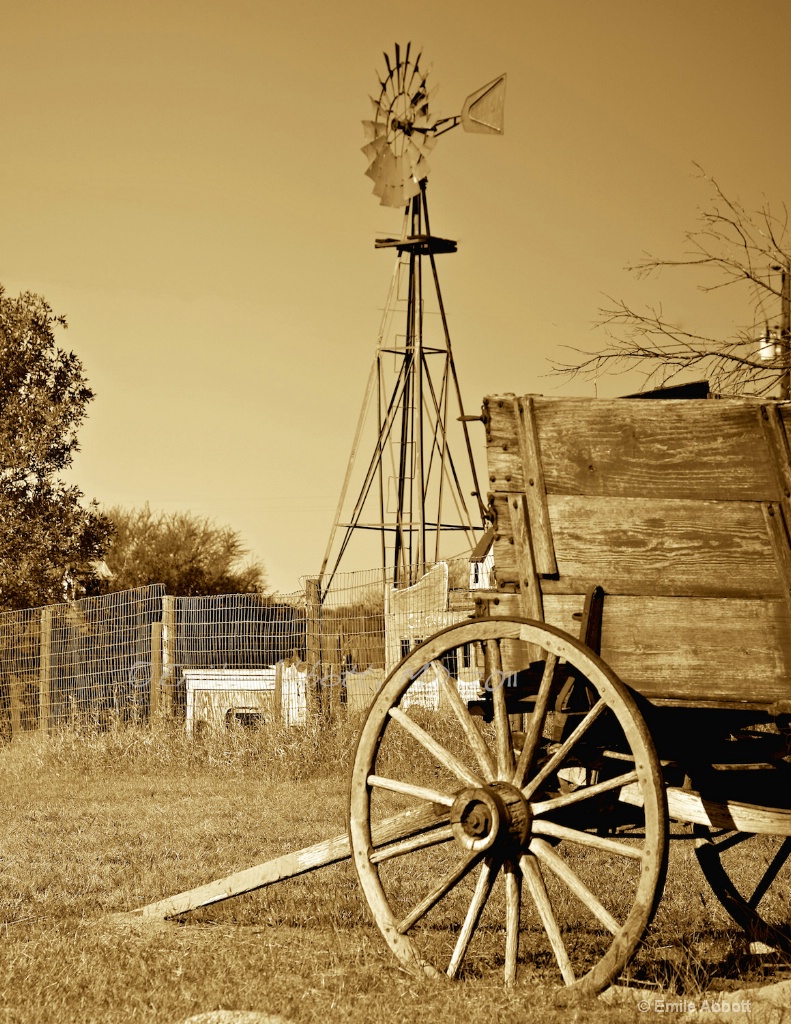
(635,670)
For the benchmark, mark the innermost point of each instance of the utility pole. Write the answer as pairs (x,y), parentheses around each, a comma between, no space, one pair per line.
(785,328)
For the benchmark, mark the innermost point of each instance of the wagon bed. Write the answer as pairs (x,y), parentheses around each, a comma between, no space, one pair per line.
(678,510)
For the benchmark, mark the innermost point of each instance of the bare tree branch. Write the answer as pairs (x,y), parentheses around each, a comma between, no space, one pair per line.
(740,248)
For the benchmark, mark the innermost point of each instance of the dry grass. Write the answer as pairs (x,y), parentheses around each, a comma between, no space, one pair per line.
(95,824)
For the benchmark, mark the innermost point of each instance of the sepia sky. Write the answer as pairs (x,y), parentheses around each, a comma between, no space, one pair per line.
(184,181)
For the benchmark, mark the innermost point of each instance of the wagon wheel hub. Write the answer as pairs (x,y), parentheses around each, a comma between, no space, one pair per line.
(487,816)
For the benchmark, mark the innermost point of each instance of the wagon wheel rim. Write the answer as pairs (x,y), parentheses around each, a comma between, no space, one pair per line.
(498,817)
(748,902)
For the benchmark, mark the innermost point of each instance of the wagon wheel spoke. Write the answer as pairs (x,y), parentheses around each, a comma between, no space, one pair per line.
(772,872)
(742,883)
(543,827)
(443,887)
(502,727)
(483,888)
(728,840)
(469,728)
(441,834)
(441,753)
(407,789)
(555,803)
(538,890)
(547,855)
(560,754)
(513,906)
(536,725)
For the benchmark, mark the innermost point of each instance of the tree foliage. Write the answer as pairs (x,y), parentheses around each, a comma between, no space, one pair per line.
(740,249)
(48,539)
(189,554)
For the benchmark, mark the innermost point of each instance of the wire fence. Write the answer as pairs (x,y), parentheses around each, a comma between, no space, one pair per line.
(232,659)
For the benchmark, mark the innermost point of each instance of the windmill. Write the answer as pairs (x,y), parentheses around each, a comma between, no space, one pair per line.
(411,492)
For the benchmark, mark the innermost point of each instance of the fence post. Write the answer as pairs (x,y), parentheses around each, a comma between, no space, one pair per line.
(44,669)
(313,646)
(167,648)
(334,677)
(15,701)
(156,670)
(278,695)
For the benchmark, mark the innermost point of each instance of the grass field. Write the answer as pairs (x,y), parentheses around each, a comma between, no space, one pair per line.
(97,824)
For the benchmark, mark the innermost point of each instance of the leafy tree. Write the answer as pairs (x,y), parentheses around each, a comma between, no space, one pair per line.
(738,249)
(49,541)
(189,554)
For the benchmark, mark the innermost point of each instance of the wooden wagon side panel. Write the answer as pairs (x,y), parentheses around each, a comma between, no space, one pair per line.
(662,547)
(687,651)
(684,449)
(698,650)
(679,510)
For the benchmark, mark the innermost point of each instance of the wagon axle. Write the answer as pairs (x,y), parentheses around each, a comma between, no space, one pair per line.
(491,817)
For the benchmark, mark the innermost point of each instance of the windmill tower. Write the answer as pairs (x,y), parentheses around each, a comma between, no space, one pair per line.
(413,491)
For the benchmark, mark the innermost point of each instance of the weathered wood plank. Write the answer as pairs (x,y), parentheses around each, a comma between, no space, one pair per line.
(535,490)
(330,851)
(777,440)
(687,649)
(777,531)
(655,546)
(649,546)
(778,516)
(505,555)
(701,650)
(690,806)
(503,452)
(693,449)
(686,449)
(526,576)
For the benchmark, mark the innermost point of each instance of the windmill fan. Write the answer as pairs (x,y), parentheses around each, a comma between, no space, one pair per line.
(402,131)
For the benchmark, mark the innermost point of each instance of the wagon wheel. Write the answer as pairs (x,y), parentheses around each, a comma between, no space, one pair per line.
(516,872)
(750,875)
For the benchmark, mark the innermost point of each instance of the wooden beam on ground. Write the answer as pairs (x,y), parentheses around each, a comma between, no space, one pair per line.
(289,865)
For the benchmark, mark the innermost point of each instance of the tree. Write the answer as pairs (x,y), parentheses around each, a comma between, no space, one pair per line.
(190,555)
(741,249)
(48,540)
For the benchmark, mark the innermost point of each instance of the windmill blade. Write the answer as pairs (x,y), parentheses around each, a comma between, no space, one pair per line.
(373,148)
(371,131)
(399,194)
